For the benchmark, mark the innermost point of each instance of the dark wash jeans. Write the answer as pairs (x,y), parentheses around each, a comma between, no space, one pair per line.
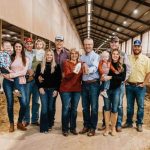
(46,118)
(112,102)
(135,93)
(8,87)
(90,95)
(70,102)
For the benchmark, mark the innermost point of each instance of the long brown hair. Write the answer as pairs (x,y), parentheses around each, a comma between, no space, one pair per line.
(22,52)
(119,62)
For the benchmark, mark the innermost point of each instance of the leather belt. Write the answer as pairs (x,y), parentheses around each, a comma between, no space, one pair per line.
(134,83)
(90,81)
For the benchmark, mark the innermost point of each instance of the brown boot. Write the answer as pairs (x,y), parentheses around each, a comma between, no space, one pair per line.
(107,119)
(113,123)
(11,128)
(21,127)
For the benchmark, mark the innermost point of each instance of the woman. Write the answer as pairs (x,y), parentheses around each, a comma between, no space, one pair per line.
(48,78)
(70,90)
(111,104)
(19,68)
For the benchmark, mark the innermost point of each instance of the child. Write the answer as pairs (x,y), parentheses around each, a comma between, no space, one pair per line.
(5,62)
(39,53)
(104,67)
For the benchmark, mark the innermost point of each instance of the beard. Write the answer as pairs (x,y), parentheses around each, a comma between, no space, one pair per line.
(137,52)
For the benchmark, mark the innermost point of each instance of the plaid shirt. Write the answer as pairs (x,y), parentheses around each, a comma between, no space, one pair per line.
(5,60)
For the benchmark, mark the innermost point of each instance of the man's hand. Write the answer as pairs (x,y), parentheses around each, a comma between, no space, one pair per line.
(85,68)
(30,72)
(40,79)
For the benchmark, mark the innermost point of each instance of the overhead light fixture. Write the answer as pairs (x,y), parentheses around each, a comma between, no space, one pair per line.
(135,12)
(125,23)
(109,36)
(118,29)
(113,33)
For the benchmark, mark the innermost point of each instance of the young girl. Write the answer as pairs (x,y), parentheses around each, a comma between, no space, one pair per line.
(104,67)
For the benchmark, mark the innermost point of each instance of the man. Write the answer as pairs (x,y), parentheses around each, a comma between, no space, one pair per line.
(31,87)
(114,44)
(135,85)
(61,54)
(90,88)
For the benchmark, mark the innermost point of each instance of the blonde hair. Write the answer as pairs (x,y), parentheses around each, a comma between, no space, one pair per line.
(76,51)
(53,62)
(39,40)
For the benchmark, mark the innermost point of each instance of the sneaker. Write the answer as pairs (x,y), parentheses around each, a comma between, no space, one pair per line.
(127,125)
(139,128)
(103,93)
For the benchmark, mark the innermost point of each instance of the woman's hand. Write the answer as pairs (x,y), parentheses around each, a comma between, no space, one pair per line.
(85,68)
(106,78)
(30,72)
(7,76)
(41,90)
(55,93)
(40,79)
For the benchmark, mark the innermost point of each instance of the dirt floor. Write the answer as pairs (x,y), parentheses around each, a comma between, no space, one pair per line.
(56,133)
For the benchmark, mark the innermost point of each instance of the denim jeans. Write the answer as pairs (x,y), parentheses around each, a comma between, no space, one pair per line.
(90,94)
(8,87)
(135,93)
(106,84)
(120,107)
(111,103)
(32,89)
(46,118)
(70,102)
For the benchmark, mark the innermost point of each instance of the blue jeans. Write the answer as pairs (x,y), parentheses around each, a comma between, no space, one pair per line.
(70,102)
(47,101)
(105,85)
(32,89)
(135,93)
(111,103)
(8,87)
(90,94)
(120,107)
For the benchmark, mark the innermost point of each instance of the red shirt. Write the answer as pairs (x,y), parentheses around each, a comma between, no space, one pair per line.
(71,82)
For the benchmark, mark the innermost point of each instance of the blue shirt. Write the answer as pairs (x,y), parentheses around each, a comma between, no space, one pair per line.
(92,60)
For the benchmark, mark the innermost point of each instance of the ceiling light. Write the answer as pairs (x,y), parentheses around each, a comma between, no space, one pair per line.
(118,29)
(113,33)
(125,22)
(109,36)
(135,12)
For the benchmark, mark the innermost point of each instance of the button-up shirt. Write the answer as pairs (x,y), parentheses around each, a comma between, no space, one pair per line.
(92,60)
(30,55)
(140,66)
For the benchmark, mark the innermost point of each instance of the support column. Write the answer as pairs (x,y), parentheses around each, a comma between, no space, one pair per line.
(22,35)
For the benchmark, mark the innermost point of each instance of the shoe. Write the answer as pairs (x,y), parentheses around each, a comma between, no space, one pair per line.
(21,127)
(127,125)
(91,132)
(74,132)
(11,128)
(84,130)
(45,132)
(139,128)
(102,128)
(49,128)
(65,133)
(119,129)
(104,93)
(35,123)
(25,124)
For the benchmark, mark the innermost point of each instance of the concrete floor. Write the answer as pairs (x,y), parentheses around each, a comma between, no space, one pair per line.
(129,139)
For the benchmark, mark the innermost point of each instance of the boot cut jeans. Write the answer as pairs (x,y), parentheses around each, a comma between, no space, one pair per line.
(32,89)
(70,102)
(135,93)
(8,87)
(90,95)
(46,117)
(112,102)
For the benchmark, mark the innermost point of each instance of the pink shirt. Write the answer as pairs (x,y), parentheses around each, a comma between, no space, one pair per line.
(19,70)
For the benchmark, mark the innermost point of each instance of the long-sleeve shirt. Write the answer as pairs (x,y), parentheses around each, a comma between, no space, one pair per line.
(117,79)
(92,60)
(71,82)
(51,80)
(19,70)
(5,59)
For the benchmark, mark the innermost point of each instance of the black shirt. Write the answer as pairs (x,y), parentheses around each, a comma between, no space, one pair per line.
(116,80)
(51,80)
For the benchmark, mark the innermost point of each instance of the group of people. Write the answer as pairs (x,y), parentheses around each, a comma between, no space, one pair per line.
(43,74)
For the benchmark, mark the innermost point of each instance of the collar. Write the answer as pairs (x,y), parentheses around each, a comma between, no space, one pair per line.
(90,53)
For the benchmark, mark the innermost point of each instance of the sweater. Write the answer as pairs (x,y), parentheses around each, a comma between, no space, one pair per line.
(51,80)
(71,82)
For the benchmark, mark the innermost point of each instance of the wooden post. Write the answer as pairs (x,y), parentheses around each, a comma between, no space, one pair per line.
(22,35)
(31,35)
